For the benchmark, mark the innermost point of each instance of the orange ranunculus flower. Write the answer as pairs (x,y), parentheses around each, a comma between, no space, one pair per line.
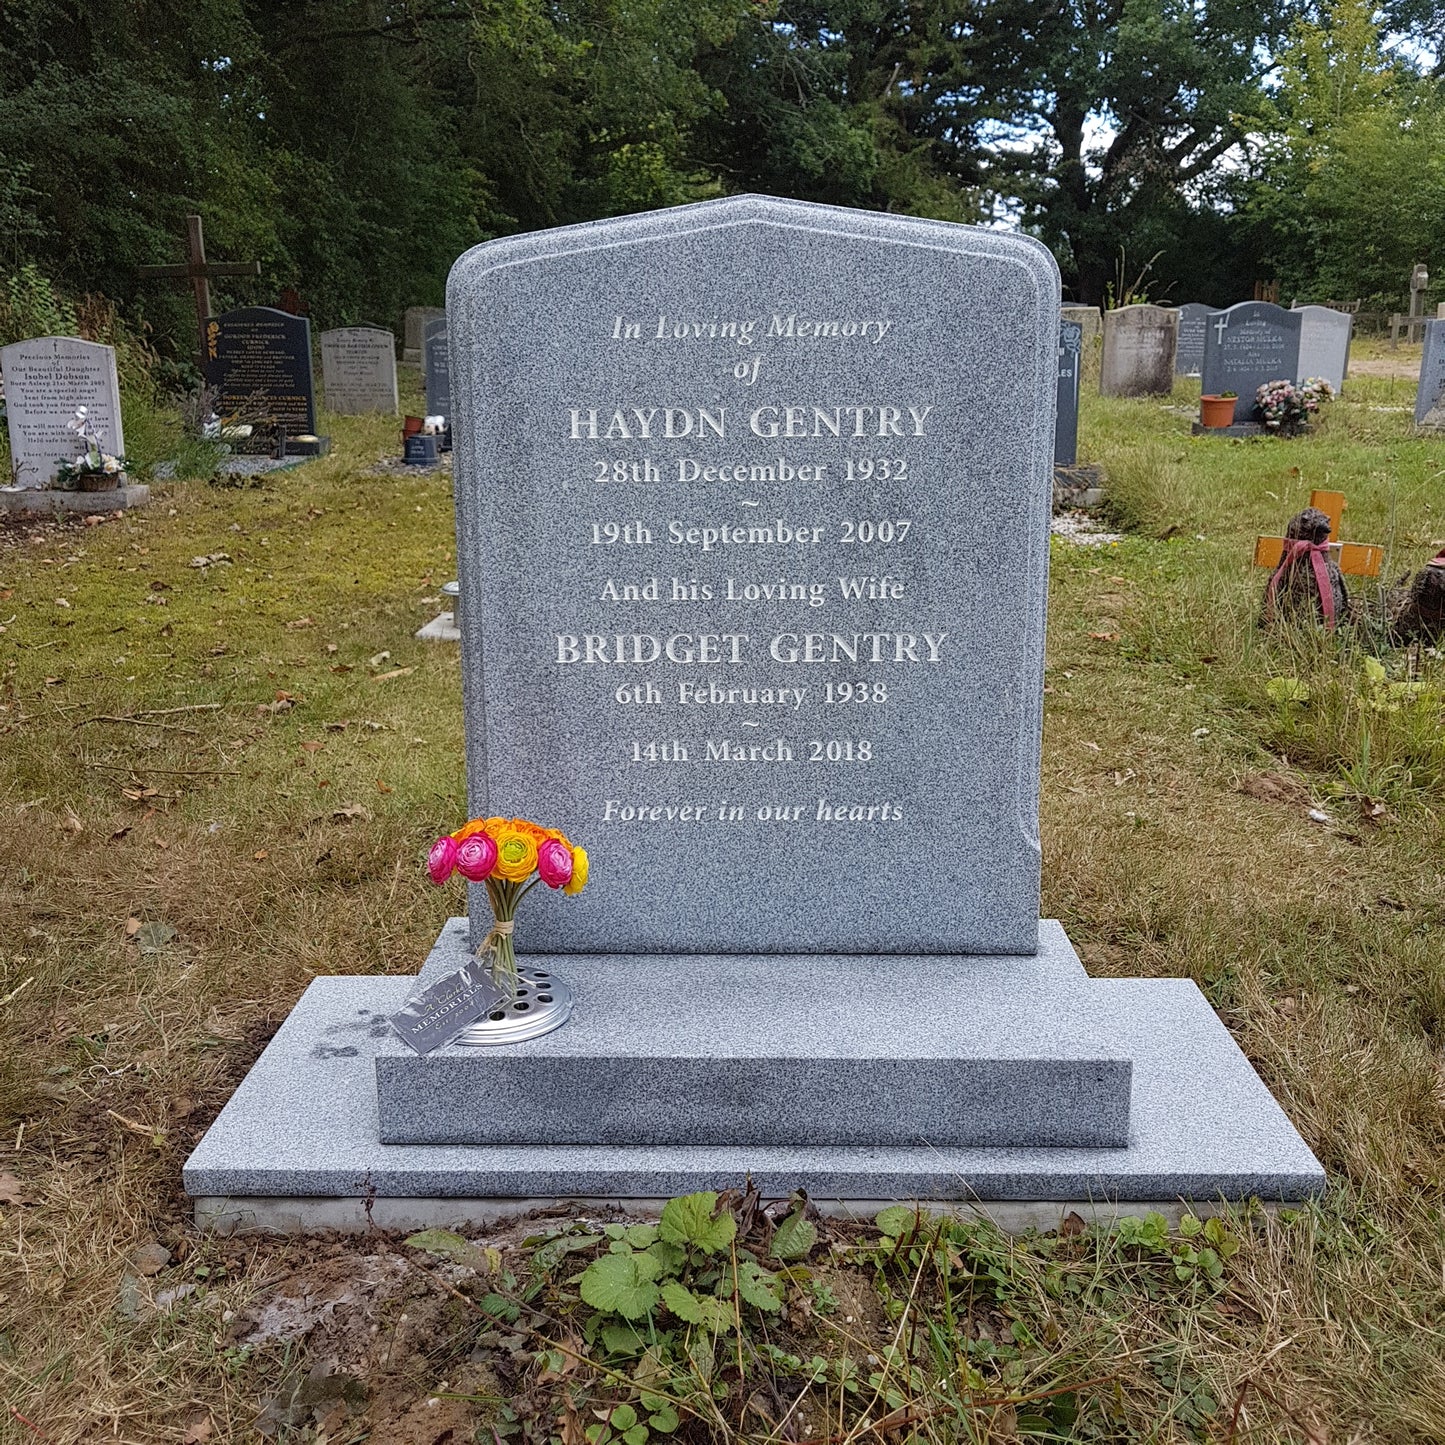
(493,827)
(467,830)
(559,835)
(534,831)
(578,880)
(516,856)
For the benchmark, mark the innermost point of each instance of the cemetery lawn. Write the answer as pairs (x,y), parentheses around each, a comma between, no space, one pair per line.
(222,756)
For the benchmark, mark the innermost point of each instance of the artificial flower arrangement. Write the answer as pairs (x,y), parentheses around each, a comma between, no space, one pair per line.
(1285,407)
(94,464)
(511,856)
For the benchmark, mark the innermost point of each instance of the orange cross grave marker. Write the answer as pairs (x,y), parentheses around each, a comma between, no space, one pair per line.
(1357,559)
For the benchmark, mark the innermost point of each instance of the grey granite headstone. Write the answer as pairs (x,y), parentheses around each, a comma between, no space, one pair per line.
(1139,351)
(258,360)
(1189,354)
(1087,318)
(1324,344)
(1246,346)
(753,560)
(1430,398)
(414,331)
(358,370)
(45,380)
(438,370)
(1066,412)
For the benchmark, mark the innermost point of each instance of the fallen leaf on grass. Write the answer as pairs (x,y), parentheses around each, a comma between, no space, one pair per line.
(198,1433)
(54,681)
(153,937)
(119,834)
(10,1189)
(132,927)
(377,659)
(312,747)
(299,623)
(1072,1224)
(350,813)
(150,1258)
(383,788)
(260,855)
(395,672)
(1104,636)
(139,795)
(1274,788)
(72,823)
(212,560)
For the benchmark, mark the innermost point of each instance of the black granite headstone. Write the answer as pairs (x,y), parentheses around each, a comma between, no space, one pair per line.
(1066,415)
(1189,353)
(1246,346)
(258,362)
(438,371)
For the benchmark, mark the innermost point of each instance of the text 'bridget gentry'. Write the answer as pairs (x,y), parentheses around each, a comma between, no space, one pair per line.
(730,648)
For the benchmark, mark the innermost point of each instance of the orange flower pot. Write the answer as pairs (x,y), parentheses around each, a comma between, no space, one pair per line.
(1216,411)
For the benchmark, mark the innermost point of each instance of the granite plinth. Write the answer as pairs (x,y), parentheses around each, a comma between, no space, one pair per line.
(442,628)
(45,501)
(1235,429)
(733,1049)
(1202,1126)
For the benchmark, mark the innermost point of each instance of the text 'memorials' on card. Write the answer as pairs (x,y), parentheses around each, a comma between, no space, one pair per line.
(752,523)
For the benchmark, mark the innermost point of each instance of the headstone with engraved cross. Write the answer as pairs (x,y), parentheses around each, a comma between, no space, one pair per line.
(1246,346)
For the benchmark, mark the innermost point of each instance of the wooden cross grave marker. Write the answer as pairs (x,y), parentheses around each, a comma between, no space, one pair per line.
(198,271)
(1357,559)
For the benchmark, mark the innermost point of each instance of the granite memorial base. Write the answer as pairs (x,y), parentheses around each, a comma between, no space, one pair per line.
(1235,429)
(47,501)
(442,628)
(965,1078)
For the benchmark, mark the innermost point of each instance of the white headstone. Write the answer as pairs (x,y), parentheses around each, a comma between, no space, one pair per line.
(45,380)
(1324,344)
(358,370)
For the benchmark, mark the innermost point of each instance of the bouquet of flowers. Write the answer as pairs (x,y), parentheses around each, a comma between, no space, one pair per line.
(511,856)
(1284,407)
(94,461)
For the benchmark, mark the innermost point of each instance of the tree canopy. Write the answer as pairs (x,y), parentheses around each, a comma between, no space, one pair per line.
(356,147)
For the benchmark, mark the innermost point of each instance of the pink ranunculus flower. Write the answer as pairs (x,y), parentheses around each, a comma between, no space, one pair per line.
(442,859)
(476,857)
(554,863)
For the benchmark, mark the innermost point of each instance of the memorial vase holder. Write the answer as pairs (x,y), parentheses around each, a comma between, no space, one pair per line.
(810,952)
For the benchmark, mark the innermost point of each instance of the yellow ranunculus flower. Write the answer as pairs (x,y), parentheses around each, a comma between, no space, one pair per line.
(516,856)
(578,880)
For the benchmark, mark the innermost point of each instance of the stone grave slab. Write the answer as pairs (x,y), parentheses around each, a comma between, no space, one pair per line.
(1430,396)
(414,326)
(1189,353)
(438,370)
(358,370)
(1202,1127)
(1066,409)
(753,557)
(1246,346)
(45,380)
(1139,346)
(1324,345)
(258,360)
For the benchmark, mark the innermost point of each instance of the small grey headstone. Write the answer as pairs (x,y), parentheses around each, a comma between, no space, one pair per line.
(1430,398)
(1189,354)
(358,370)
(45,380)
(414,331)
(443,1009)
(1066,415)
(753,546)
(1324,344)
(1246,346)
(1087,318)
(258,360)
(1139,351)
(438,371)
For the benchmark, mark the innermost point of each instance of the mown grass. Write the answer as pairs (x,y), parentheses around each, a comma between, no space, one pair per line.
(276,826)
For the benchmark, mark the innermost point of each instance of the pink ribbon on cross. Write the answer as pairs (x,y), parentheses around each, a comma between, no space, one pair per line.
(1318,553)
